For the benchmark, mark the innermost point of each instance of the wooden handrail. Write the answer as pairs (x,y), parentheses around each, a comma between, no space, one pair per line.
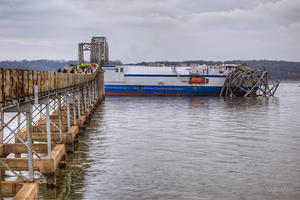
(18,83)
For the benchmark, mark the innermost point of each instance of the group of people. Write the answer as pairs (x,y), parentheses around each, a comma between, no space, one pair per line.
(81,69)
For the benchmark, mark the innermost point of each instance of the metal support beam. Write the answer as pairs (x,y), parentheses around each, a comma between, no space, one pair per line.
(82,101)
(96,90)
(74,109)
(79,105)
(93,94)
(19,124)
(41,113)
(89,95)
(12,171)
(84,96)
(60,120)
(68,114)
(29,142)
(48,130)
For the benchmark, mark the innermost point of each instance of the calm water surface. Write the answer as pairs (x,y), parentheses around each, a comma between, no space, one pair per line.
(187,148)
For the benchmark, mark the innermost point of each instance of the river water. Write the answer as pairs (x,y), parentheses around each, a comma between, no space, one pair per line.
(187,148)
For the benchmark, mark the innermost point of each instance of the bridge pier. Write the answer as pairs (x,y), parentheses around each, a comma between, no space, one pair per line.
(48,119)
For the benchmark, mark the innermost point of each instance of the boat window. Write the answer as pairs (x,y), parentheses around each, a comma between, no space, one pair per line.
(121,69)
(117,69)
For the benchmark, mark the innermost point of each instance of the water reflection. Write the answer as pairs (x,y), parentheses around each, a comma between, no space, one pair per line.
(71,180)
(244,103)
(188,148)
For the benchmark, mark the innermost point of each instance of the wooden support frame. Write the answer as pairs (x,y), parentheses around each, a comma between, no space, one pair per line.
(19,190)
(21,148)
(47,166)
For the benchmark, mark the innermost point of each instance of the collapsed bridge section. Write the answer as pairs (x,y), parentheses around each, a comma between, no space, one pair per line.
(247,81)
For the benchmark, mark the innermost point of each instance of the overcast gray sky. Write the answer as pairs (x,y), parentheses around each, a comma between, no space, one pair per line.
(148,30)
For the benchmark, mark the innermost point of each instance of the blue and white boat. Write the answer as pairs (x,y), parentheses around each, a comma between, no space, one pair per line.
(200,80)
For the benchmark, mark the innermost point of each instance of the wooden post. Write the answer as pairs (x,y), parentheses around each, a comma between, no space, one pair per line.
(8,85)
(30,82)
(1,86)
(20,91)
(15,84)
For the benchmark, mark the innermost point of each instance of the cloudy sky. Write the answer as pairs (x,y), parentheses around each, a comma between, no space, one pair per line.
(148,30)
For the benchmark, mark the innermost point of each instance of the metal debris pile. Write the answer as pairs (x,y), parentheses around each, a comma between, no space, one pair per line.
(247,81)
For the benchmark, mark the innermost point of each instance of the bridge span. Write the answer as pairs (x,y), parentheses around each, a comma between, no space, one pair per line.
(41,115)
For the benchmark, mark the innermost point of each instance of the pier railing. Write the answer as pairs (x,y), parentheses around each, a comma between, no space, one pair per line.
(18,85)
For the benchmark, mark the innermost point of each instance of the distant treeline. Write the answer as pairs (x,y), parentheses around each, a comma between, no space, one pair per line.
(278,69)
(44,65)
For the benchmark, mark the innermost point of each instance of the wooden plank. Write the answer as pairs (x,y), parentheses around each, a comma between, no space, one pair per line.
(28,191)
(9,188)
(30,82)
(21,148)
(37,129)
(52,74)
(7,85)
(14,84)
(20,90)
(1,150)
(1,86)
(26,83)
(49,81)
(40,137)
(57,80)
(39,81)
(43,82)
(58,153)
(35,78)
(20,164)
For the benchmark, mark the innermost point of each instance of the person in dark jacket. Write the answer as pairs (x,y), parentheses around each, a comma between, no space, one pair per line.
(65,70)
(59,70)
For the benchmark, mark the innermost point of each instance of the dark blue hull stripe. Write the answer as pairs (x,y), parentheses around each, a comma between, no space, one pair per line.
(173,75)
(158,89)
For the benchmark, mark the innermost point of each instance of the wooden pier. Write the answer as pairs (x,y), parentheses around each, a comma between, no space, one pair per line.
(41,115)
